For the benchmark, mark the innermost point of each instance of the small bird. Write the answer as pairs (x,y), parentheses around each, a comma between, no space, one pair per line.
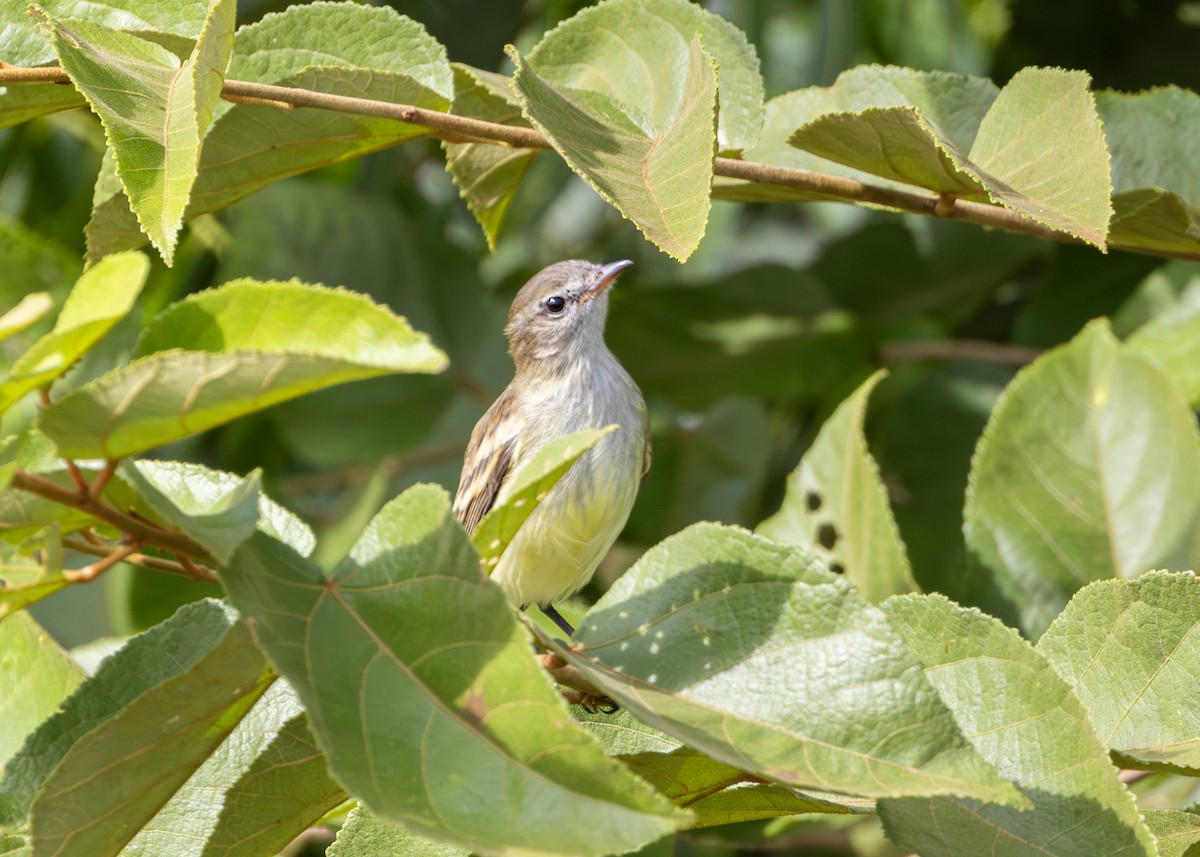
(566,381)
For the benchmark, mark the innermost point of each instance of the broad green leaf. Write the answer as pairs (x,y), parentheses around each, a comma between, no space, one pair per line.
(363,835)
(1177,832)
(261,788)
(1171,341)
(146,752)
(898,143)
(155,109)
(32,308)
(250,345)
(747,651)
(217,510)
(1042,139)
(837,508)
(35,676)
(24,44)
(654,167)
(21,102)
(1131,650)
(1087,470)
(622,734)
(487,175)
(101,298)
(626,50)
(1025,721)
(336,48)
(950,107)
(149,661)
(419,682)
(531,482)
(718,793)
(1155,221)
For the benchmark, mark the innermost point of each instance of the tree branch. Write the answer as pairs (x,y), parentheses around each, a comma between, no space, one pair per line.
(140,531)
(202,573)
(459,129)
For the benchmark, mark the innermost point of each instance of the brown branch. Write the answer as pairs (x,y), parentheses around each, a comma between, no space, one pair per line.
(203,573)
(977,350)
(101,480)
(90,572)
(139,531)
(580,690)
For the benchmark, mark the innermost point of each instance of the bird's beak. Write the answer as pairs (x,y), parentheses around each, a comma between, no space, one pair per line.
(606,275)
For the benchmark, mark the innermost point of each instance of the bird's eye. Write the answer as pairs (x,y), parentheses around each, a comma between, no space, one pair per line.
(555,304)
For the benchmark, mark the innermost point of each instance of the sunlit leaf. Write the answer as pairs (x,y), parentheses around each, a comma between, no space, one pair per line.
(35,676)
(1025,721)
(1131,650)
(33,307)
(363,835)
(1086,470)
(815,691)
(1177,832)
(837,508)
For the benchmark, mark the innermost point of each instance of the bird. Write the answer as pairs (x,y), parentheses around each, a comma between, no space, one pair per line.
(565,380)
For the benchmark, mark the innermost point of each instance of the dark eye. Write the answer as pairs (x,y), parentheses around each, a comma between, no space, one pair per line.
(555,304)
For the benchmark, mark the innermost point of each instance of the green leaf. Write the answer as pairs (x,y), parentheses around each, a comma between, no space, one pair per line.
(626,50)
(1087,470)
(251,345)
(1131,650)
(653,167)
(1042,138)
(747,651)
(263,786)
(1025,721)
(530,484)
(147,751)
(101,298)
(32,308)
(217,510)
(418,680)
(1177,832)
(35,676)
(837,508)
(1155,221)
(487,175)
(718,793)
(1171,341)
(26,101)
(24,580)
(363,835)
(155,109)
(336,48)
(26,45)
(148,661)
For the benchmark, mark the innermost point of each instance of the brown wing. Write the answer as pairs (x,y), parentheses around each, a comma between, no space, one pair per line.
(487,463)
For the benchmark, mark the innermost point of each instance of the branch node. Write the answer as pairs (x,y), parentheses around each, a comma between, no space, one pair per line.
(944,206)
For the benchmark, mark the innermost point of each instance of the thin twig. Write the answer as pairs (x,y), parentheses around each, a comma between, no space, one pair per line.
(155,563)
(101,480)
(90,572)
(976,350)
(454,128)
(140,531)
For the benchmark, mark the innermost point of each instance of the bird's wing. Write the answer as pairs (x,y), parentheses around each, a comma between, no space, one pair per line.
(488,462)
(647,457)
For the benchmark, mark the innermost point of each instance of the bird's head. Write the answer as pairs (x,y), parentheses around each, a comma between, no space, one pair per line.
(559,314)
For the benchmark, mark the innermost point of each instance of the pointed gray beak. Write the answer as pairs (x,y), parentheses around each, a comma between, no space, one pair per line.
(606,275)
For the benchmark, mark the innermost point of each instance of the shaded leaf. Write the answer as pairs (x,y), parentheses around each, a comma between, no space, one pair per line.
(1131,650)
(1085,471)
(101,298)
(35,676)
(261,788)
(1023,719)
(656,169)
(816,691)
(487,175)
(118,776)
(414,702)
(284,340)
(528,487)
(155,109)
(837,508)
(1171,341)
(26,101)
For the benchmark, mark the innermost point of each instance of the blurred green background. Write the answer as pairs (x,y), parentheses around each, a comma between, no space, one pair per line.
(742,352)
